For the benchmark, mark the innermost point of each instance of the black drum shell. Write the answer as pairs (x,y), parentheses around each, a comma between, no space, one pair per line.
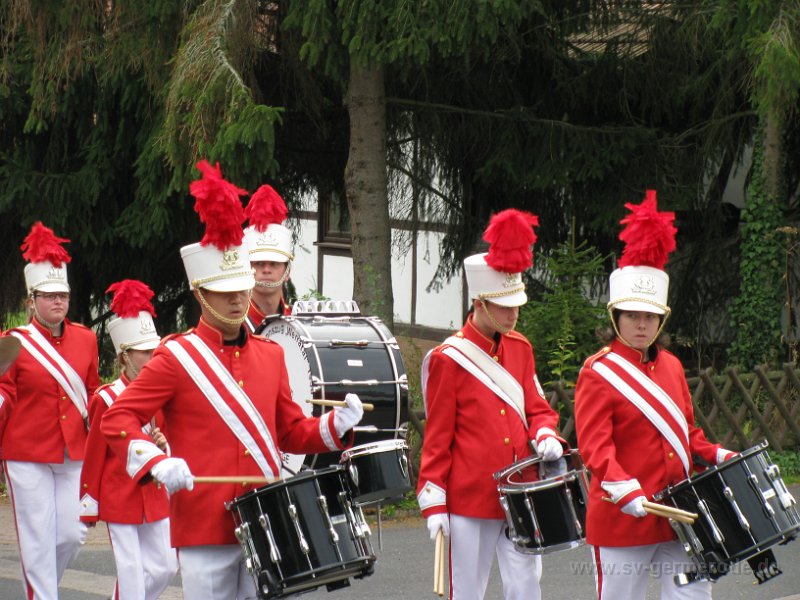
(378,473)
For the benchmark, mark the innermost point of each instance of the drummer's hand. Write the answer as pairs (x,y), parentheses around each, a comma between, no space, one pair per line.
(635,507)
(724,454)
(345,417)
(437,522)
(553,468)
(174,473)
(159,439)
(549,449)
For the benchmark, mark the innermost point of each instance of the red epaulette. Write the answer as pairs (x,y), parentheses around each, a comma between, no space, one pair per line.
(516,335)
(597,356)
(172,336)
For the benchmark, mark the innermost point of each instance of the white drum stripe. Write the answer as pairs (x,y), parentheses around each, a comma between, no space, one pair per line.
(224,411)
(652,387)
(656,419)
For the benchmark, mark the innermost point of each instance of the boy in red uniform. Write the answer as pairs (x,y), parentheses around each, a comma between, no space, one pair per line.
(136,515)
(227,406)
(635,422)
(44,418)
(484,407)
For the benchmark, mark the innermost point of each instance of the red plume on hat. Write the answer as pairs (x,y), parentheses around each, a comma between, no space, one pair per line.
(649,235)
(130,298)
(265,208)
(41,245)
(217,202)
(510,236)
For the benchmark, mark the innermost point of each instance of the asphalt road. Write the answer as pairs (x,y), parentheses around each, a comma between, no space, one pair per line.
(403,570)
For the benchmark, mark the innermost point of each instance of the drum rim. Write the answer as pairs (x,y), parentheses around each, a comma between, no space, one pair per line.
(370,447)
(668,491)
(541,484)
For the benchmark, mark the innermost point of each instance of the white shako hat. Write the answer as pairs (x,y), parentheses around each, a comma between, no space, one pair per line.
(46,270)
(266,237)
(218,262)
(133,327)
(640,282)
(496,276)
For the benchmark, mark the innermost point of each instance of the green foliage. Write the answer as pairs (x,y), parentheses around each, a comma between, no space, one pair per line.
(562,321)
(789,463)
(755,313)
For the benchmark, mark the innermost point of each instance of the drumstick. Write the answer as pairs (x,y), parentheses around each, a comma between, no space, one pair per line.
(670,509)
(668,515)
(367,406)
(442,558)
(437,552)
(232,479)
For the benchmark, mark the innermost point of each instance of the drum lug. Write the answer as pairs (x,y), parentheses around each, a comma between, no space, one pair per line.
(251,561)
(404,464)
(316,384)
(352,470)
(349,343)
(274,553)
(728,493)
(537,532)
(757,488)
(691,543)
(715,531)
(773,473)
(304,548)
(515,537)
(323,505)
(571,505)
(402,381)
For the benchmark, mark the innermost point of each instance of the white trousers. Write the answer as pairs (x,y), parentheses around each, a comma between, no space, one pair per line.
(623,572)
(145,561)
(473,545)
(44,497)
(215,573)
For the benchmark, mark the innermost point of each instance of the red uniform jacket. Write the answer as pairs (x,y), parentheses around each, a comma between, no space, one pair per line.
(471,432)
(621,446)
(199,435)
(107,491)
(38,420)
(255,316)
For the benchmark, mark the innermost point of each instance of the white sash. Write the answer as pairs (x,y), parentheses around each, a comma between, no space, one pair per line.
(489,372)
(54,363)
(677,432)
(117,387)
(218,402)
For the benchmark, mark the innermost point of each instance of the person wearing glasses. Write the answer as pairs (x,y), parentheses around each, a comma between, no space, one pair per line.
(43,418)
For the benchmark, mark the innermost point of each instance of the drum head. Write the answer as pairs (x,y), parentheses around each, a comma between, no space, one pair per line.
(287,336)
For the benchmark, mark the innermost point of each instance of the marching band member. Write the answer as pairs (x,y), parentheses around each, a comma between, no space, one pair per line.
(484,407)
(44,396)
(136,515)
(635,422)
(269,245)
(226,401)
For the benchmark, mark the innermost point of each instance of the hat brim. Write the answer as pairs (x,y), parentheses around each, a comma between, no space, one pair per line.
(512,300)
(9,350)
(145,345)
(51,287)
(267,255)
(635,306)
(243,283)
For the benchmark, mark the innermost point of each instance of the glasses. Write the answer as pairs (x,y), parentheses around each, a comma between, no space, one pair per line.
(52,296)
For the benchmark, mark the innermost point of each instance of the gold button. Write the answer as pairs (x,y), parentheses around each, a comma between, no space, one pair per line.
(86,486)
(63,417)
(63,397)
(247,452)
(459,334)
(506,441)
(222,350)
(241,383)
(503,412)
(139,451)
(123,434)
(236,354)
(652,367)
(244,484)
(496,358)
(671,455)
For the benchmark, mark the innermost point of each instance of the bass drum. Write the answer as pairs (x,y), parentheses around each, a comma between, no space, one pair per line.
(329,356)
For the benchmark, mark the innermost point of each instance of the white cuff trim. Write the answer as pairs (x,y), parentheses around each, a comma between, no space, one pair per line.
(325,426)
(431,495)
(140,452)
(721,454)
(89,506)
(542,431)
(619,489)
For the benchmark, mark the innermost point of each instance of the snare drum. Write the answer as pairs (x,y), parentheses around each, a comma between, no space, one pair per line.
(744,509)
(378,472)
(328,357)
(302,533)
(544,515)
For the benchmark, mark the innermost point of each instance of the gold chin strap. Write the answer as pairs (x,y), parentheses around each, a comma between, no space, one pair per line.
(41,319)
(218,316)
(129,369)
(276,284)
(655,337)
(492,320)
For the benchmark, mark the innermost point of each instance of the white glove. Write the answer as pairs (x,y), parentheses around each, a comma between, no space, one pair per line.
(345,417)
(635,507)
(549,449)
(83,532)
(553,468)
(437,522)
(174,473)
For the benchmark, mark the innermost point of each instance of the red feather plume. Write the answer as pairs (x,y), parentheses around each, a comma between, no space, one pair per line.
(265,207)
(649,235)
(41,245)
(510,236)
(217,202)
(130,298)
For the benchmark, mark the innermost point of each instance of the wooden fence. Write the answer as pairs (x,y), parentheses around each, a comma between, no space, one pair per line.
(734,409)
